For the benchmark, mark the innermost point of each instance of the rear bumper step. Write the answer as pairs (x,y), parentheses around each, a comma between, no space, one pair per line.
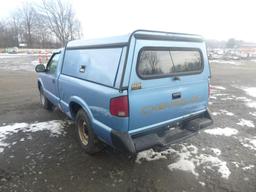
(165,137)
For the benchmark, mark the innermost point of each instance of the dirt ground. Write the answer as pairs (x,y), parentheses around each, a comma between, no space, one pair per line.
(39,152)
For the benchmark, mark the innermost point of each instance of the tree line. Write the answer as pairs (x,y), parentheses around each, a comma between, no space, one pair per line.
(230,43)
(49,24)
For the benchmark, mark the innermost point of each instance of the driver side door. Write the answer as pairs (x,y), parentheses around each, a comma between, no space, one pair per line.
(50,79)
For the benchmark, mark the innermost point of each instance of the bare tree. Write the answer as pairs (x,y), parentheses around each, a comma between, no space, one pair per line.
(15,28)
(28,20)
(2,34)
(151,62)
(7,35)
(61,20)
(49,25)
(43,33)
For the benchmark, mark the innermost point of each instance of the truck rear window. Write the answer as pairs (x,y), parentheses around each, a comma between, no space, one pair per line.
(162,62)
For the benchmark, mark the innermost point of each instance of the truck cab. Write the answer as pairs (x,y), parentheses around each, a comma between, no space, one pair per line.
(132,92)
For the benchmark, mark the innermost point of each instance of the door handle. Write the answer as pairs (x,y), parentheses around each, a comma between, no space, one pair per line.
(53,80)
(82,69)
(176,95)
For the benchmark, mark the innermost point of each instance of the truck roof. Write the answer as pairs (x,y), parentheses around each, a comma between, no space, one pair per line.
(138,34)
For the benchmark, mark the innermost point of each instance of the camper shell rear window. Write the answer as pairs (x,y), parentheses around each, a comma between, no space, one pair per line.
(159,62)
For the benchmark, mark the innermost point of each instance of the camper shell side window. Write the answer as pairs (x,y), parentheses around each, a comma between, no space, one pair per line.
(95,65)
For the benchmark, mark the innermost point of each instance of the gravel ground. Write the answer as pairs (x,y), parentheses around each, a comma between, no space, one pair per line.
(39,152)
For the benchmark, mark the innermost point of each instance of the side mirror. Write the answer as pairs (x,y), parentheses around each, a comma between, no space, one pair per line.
(40,68)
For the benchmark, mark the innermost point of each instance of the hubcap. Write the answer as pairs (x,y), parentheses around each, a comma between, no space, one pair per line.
(83,131)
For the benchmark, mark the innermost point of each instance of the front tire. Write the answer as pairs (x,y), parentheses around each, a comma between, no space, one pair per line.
(45,103)
(85,135)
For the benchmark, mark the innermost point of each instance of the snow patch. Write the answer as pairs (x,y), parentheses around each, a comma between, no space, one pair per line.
(244,122)
(216,162)
(220,94)
(188,160)
(6,56)
(226,98)
(184,165)
(248,167)
(253,114)
(189,163)
(236,164)
(218,87)
(223,112)
(202,183)
(222,131)
(251,104)
(55,127)
(22,139)
(149,155)
(216,151)
(215,113)
(225,62)
(250,91)
(249,143)
(244,99)
(3,144)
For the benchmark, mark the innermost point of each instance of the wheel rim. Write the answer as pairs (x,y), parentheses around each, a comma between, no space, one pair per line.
(83,131)
(42,98)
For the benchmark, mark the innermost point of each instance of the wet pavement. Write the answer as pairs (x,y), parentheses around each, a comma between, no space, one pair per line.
(39,151)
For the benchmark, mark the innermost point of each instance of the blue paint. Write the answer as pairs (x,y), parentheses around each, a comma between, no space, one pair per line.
(98,82)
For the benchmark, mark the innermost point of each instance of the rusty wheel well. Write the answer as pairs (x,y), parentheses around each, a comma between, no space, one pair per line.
(74,108)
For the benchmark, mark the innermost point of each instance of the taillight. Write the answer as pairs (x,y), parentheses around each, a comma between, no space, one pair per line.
(119,106)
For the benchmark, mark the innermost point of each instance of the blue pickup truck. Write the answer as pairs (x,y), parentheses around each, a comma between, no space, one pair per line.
(134,92)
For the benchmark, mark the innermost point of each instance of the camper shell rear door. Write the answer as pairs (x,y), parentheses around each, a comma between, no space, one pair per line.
(156,100)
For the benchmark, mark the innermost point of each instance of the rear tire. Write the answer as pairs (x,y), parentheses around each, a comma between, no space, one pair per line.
(45,103)
(85,135)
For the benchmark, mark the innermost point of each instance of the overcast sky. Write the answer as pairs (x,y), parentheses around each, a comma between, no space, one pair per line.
(216,19)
